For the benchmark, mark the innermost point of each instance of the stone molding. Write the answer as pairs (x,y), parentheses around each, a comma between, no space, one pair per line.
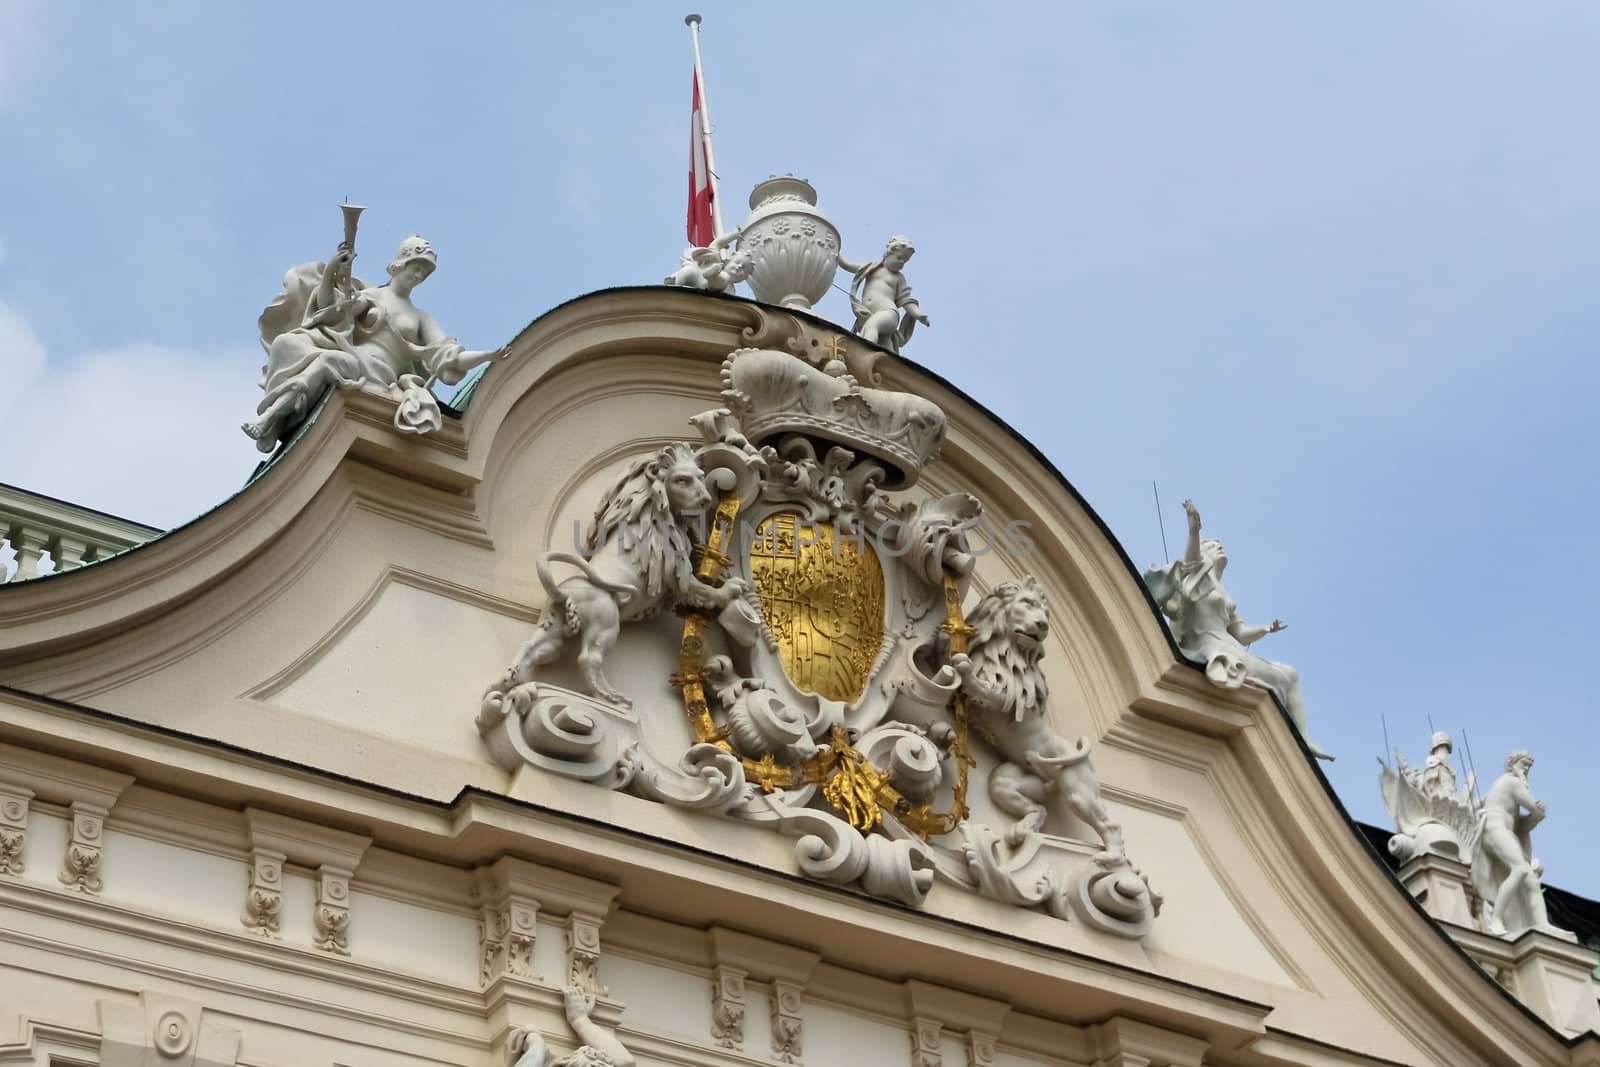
(1441,885)
(1122,1042)
(163,1030)
(1554,977)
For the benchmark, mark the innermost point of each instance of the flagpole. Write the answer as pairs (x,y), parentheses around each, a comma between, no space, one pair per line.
(693,22)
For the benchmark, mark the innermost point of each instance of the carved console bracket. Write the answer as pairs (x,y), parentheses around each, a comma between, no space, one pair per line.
(13,826)
(508,920)
(512,894)
(934,1009)
(739,956)
(728,1006)
(333,855)
(1119,1042)
(88,793)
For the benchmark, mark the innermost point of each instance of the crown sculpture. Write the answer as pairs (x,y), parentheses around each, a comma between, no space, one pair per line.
(830,685)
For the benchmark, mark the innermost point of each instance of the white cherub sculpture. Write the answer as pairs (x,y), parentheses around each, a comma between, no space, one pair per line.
(879,293)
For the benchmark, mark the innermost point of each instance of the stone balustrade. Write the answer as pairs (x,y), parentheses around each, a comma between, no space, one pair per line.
(47,535)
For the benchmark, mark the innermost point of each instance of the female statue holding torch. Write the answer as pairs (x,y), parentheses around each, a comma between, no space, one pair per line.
(330,329)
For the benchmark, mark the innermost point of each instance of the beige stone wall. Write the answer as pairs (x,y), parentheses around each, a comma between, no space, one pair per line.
(315,650)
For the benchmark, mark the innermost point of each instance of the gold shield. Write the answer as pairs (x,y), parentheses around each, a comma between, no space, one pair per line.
(822,595)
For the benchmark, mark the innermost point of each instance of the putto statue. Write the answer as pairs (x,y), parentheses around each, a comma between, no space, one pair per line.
(330,329)
(1206,623)
(714,268)
(599,1049)
(1505,874)
(879,293)
(1429,812)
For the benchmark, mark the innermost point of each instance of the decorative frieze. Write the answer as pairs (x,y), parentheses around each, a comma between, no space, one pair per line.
(263,900)
(728,1007)
(786,1021)
(13,826)
(80,867)
(332,917)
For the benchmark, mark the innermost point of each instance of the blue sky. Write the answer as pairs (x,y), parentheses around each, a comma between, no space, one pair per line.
(1329,269)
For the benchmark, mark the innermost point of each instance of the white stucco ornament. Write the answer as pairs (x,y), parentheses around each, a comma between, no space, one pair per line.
(329,329)
(1430,814)
(793,247)
(826,683)
(885,310)
(1205,621)
(1505,874)
(715,268)
(600,1047)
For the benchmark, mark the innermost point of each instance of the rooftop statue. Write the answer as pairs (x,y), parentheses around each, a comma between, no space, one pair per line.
(1505,874)
(1206,623)
(1429,812)
(599,1048)
(714,268)
(329,329)
(879,293)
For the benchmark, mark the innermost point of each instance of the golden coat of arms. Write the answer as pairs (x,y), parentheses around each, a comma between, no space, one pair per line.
(822,597)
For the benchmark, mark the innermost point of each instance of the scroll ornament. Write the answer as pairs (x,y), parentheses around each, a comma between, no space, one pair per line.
(832,684)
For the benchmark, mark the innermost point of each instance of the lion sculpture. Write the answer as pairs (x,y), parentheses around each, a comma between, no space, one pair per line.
(637,559)
(1006,691)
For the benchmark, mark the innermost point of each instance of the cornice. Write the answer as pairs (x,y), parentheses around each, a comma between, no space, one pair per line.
(476,829)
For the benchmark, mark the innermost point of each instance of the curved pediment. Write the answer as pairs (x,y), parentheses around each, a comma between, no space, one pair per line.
(350,608)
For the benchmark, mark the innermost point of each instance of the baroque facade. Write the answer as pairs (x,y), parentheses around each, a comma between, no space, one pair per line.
(713,687)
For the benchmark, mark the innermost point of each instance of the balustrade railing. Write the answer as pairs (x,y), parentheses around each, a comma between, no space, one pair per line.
(47,535)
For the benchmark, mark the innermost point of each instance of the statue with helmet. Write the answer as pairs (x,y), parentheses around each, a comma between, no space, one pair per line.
(1430,814)
(329,329)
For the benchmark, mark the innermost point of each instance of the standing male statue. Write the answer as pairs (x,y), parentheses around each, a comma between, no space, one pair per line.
(1504,872)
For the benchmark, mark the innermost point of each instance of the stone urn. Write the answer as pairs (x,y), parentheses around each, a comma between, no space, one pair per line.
(793,246)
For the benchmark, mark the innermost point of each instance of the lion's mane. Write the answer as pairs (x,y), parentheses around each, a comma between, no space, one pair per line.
(999,663)
(638,515)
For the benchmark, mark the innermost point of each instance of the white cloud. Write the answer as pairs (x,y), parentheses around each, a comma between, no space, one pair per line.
(146,431)
(21,40)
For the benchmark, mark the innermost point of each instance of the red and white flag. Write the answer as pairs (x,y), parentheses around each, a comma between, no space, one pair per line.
(702,231)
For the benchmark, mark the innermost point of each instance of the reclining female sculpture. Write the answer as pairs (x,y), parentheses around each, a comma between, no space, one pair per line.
(330,329)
